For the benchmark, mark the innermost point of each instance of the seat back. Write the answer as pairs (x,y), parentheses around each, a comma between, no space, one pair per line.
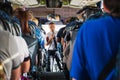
(5,21)
(16,29)
(1,25)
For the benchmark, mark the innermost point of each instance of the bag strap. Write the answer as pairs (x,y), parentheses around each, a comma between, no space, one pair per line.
(55,43)
(108,68)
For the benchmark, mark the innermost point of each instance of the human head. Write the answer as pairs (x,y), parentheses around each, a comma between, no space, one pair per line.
(112,7)
(32,18)
(6,7)
(52,26)
(23,16)
(30,15)
(57,17)
(18,12)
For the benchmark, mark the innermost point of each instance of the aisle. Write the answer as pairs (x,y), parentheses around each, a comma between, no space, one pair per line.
(52,76)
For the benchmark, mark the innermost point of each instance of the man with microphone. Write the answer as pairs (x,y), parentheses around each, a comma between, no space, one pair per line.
(52,46)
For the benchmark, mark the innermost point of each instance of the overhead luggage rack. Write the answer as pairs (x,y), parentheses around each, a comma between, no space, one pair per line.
(82,3)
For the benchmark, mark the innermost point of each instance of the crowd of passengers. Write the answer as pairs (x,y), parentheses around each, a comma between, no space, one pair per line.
(14,53)
(96,43)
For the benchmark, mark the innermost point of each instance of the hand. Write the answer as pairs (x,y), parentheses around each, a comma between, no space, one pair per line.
(73,79)
(51,37)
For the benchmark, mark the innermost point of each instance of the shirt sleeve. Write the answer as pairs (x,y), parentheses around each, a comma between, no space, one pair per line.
(78,70)
(25,49)
(14,52)
(59,34)
(64,33)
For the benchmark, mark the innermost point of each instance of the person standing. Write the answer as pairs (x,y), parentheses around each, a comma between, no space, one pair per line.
(9,56)
(52,46)
(96,44)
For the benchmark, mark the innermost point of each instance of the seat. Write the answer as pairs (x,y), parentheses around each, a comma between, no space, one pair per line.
(16,27)
(5,21)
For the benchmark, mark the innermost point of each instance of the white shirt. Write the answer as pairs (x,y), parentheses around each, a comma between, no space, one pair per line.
(22,46)
(51,46)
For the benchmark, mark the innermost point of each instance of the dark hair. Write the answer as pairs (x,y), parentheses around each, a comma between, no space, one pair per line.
(6,7)
(51,23)
(113,6)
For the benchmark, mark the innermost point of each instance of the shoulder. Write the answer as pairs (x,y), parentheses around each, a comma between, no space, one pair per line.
(4,33)
(94,27)
(99,23)
(62,29)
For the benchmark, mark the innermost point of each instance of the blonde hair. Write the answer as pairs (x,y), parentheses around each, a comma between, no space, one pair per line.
(32,18)
(2,73)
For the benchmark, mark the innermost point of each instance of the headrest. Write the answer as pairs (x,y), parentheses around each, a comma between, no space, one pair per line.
(4,15)
(88,8)
(31,23)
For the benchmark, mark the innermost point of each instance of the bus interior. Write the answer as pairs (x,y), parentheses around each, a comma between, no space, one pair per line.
(67,14)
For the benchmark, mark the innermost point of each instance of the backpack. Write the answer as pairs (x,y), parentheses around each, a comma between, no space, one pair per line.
(71,32)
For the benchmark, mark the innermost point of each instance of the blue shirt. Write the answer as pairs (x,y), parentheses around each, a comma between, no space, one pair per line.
(97,41)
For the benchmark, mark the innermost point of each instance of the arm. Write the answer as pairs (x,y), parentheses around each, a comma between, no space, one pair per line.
(59,35)
(62,41)
(25,66)
(15,75)
(49,40)
(58,39)
(24,54)
(76,67)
